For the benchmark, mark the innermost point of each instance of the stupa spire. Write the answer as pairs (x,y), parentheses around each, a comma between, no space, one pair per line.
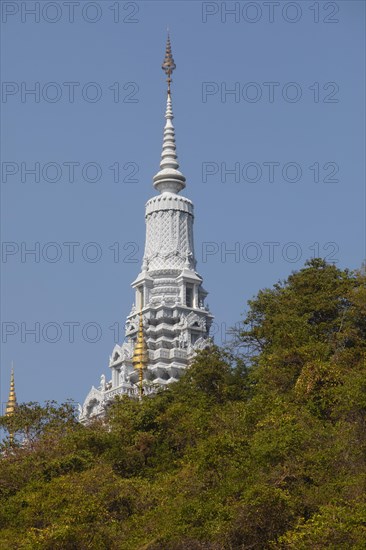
(12,400)
(169,178)
(140,357)
(168,290)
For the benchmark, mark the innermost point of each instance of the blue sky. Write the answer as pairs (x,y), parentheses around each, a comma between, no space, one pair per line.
(291,131)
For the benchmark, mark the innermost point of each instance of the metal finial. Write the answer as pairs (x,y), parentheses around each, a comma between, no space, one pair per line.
(168,65)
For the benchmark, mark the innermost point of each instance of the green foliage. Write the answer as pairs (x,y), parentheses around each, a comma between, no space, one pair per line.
(31,420)
(260,448)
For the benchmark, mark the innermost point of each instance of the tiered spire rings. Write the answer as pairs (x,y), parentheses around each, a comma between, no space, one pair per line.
(12,401)
(140,356)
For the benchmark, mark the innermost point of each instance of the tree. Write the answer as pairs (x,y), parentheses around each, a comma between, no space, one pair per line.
(265,456)
(30,421)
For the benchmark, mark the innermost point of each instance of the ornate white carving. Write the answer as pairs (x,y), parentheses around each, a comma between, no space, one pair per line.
(169,238)
(193,319)
(123,374)
(202,343)
(102,386)
(93,405)
(183,320)
(183,340)
(126,350)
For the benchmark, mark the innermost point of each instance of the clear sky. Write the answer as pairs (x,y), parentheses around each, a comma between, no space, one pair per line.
(271,91)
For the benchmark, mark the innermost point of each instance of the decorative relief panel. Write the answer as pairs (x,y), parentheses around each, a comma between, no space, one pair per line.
(169,238)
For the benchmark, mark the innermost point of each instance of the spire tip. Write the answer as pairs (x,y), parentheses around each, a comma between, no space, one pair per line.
(168,65)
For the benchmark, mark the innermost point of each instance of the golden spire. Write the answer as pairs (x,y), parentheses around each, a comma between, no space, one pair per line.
(12,401)
(140,355)
(168,65)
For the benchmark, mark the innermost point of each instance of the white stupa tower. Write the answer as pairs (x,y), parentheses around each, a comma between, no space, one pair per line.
(169,319)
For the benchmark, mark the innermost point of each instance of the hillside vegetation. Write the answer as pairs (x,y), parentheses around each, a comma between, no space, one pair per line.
(259,447)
